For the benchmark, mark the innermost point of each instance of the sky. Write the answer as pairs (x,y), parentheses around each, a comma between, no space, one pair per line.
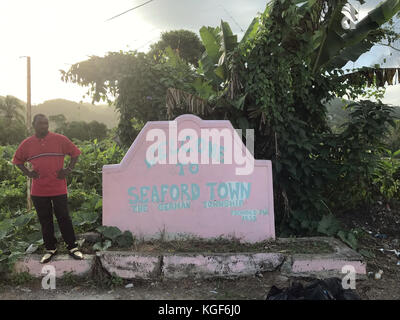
(57,34)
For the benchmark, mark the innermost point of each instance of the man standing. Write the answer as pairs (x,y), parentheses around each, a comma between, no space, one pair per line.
(46,151)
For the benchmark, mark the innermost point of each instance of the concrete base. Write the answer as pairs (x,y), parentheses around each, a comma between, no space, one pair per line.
(219,265)
(135,265)
(325,265)
(131,265)
(61,263)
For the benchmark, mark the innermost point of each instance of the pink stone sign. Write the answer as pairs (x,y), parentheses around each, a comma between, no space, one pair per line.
(190,178)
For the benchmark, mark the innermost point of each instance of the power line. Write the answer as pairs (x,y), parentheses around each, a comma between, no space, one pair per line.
(137,48)
(233,19)
(141,5)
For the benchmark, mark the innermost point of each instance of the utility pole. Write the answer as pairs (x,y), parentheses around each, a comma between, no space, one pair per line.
(28,125)
(28,98)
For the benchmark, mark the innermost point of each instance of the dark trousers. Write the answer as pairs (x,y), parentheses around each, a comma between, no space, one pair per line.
(44,207)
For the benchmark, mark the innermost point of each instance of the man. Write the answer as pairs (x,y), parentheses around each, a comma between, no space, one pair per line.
(46,151)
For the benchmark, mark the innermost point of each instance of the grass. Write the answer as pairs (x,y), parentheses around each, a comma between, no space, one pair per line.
(223,245)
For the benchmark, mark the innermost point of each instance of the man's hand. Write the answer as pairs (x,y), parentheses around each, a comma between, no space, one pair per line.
(32,174)
(62,174)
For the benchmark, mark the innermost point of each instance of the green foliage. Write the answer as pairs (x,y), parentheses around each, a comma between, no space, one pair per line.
(356,152)
(184,42)
(139,81)
(17,231)
(139,98)
(102,245)
(88,170)
(348,238)
(12,183)
(330,227)
(69,279)
(115,281)
(392,139)
(11,131)
(385,176)
(21,278)
(20,228)
(113,236)
(80,130)
(11,109)
(276,80)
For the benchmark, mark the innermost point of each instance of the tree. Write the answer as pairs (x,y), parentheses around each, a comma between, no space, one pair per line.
(97,130)
(185,43)
(12,122)
(11,108)
(83,131)
(60,122)
(137,81)
(11,132)
(277,80)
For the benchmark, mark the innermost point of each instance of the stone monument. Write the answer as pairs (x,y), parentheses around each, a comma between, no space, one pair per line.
(190,178)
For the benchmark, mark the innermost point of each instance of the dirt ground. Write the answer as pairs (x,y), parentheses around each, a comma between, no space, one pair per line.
(254,288)
(378,232)
(249,288)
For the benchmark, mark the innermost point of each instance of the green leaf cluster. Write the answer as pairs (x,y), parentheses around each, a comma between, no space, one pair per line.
(113,236)
(276,80)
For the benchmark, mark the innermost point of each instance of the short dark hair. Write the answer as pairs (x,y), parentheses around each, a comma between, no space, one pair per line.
(39,115)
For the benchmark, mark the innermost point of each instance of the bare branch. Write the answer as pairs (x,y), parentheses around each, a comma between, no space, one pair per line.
(388,45)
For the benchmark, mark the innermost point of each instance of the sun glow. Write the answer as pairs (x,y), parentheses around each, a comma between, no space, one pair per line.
(56,34)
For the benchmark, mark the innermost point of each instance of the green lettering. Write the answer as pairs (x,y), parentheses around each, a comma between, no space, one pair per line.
(211,185)
(131,192)
(143,194)
(154,195)
(184,191)
(195,191)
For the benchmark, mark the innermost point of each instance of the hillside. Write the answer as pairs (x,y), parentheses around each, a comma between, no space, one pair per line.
(87,112)
(338,115)
(74,111)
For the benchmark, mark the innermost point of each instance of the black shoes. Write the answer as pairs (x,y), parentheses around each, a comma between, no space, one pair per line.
(48,255)
(76,254)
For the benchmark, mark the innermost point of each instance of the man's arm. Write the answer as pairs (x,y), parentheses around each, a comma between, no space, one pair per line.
(31,174)
(72,163)
(66,171)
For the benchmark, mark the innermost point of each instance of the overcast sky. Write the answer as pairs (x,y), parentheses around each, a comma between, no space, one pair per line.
(56,34)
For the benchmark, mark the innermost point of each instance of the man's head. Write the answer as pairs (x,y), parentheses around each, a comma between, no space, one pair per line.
(41,125)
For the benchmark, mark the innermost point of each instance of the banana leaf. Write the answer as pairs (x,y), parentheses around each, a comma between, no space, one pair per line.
(211,41)
(352,44)
(251,31)
(228,39)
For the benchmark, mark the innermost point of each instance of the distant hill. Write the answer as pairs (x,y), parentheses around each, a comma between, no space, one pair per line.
(87,112)
(74,111)
(337,115)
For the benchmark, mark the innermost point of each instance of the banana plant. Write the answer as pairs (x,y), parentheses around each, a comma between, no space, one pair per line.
(12,109)
(219,43)
(339,46)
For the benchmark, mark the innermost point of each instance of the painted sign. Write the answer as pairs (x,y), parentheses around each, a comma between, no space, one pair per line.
(190,178)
